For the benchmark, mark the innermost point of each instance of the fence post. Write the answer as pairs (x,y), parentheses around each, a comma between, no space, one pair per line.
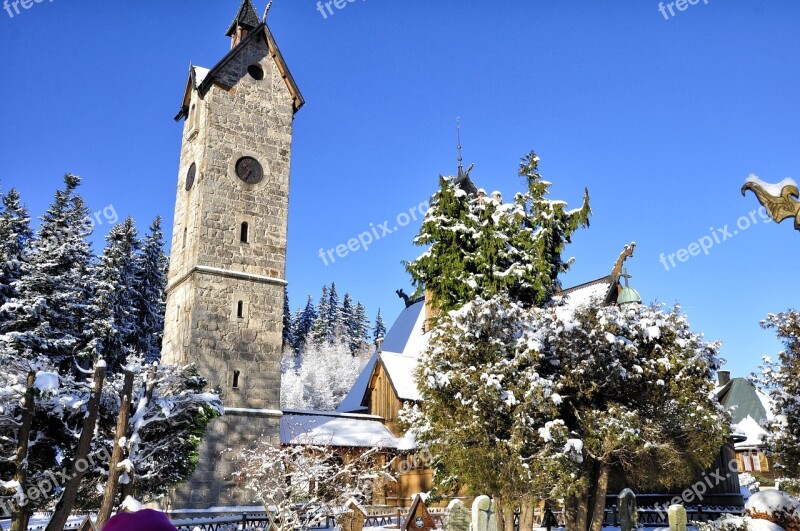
(699,513)
(244,521)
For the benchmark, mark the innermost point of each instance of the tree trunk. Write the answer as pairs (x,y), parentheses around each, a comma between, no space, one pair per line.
(576,512)
(114,471)
(20,518)
(526,515)
(600,490)
(68,497)
(506,510)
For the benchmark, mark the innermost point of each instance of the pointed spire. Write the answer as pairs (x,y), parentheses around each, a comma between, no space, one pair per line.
(246,21)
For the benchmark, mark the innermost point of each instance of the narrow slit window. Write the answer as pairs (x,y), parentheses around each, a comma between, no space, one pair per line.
(240,310)
(236,379)
(185,233)
(244,234)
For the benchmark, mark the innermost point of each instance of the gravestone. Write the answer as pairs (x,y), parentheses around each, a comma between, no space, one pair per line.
(353,517)
(418,519)
(457,517)
(87,525)
(628,510)
(484,514)
(677,518)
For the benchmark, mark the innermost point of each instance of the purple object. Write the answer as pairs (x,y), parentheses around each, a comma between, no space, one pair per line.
(144,520)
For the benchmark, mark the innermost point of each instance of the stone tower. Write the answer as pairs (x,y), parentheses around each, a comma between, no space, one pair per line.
(228,258)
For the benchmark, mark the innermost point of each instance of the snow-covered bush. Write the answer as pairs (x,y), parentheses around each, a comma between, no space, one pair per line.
(302,485)
(774,506)
(737,523)
(749,482)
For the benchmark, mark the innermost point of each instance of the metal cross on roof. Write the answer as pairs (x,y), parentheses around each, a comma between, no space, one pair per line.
(626,276)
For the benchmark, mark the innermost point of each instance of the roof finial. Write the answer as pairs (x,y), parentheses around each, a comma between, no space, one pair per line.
(266,11)
(627,277)
(460,158)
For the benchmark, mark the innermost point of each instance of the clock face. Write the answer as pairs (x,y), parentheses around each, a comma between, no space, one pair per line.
(249,170)
(190,176)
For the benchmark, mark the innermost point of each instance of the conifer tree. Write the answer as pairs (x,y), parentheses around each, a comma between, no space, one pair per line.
(480,246)
(334,311)
(346,325)
(15,239)
(115,327)
(51,312)
(322,329)
(781,380)
(288,323)
(304,324)
(361,328)
(379,331)
(151,298)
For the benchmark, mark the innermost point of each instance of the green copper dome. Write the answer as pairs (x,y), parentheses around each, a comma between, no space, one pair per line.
(628,295)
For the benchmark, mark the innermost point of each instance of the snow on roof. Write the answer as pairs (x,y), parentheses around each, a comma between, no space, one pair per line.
(352,402)
(400,369)
(200,74)
(580,296)
(754,432)
(336,430)
(408,324)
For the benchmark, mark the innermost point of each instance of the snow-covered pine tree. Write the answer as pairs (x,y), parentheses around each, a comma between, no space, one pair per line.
(335,315)
(304,324)
(288,322)
(379,331)
(15,238)
(115,326)
(346,324)
(634,390)
(151,297)
(360,334)
(51,312)
(322,328)
(781,380)
(539,403)
(480,246)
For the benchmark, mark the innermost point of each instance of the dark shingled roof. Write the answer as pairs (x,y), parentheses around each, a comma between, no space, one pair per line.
(246,17)
(741,393)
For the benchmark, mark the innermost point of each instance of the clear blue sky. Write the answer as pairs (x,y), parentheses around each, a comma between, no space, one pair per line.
(661,119)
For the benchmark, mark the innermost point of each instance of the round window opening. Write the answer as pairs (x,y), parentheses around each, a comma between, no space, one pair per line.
(190,176)
(249,170)
(256,72)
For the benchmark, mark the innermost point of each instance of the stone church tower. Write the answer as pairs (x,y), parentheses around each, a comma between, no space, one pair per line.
(228,258)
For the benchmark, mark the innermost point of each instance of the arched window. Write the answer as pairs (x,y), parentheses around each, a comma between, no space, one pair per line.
(236,379)
(240,310)
(244,234)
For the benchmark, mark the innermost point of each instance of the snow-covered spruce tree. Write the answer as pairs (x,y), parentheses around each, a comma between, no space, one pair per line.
(379,330)
(633,387)
(346,324)
(359,339)
(304,324)
(481,405)
(171,408)
(537,403)
(151,296)
(288,322)
(114,329)
(480,246)
(51,312)
(15,238)
(781,380)
(322,330)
